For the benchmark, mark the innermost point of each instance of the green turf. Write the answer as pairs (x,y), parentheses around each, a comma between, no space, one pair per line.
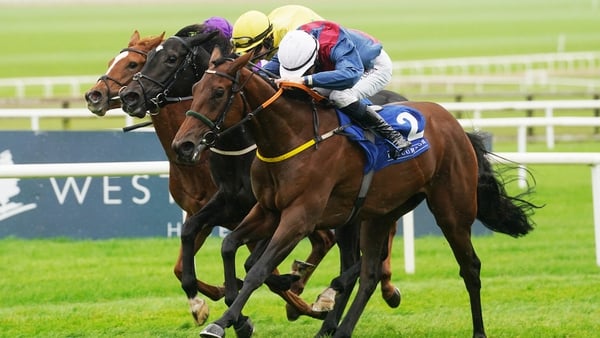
(79,39)
(541,285)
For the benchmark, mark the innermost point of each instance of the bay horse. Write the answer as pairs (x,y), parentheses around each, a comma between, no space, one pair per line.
(307,177)
(162,87)
(150,88)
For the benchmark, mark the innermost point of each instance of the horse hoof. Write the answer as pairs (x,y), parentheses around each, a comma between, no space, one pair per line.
(394,300)
(245,330)
(213,331)
(325,302)
(291,312)
(301,268)
(199,310)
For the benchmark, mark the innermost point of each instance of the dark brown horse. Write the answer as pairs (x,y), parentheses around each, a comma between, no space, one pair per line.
(307,177)
(163,87)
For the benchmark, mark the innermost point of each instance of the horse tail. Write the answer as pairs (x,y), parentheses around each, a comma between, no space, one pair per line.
(497,210)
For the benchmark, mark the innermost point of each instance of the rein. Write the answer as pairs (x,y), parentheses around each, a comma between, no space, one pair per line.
(211,136)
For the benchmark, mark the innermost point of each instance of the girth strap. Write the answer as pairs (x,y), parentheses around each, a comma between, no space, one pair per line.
(364,188)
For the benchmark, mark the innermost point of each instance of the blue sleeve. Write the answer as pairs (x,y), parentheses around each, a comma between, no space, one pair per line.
(348,68)
(273,65)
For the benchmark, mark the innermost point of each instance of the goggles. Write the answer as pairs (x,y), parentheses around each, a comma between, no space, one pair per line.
(247,41)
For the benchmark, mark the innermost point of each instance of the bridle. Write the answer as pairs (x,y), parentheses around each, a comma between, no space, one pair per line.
(210,137)
(163,98)
(105,78)
(215,128)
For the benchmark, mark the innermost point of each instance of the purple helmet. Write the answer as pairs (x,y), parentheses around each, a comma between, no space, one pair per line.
(220,24)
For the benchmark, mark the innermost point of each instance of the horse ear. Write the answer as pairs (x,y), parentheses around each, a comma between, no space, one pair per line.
(135,37)
(216,54)
(157,40)
(244,59)
(201,38)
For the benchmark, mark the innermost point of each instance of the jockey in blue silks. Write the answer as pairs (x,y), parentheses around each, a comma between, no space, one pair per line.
(344,64)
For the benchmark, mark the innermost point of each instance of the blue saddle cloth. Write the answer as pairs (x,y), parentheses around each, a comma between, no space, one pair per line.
(407,120)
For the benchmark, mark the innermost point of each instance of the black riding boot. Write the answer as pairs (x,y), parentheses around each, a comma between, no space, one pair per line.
(370,119)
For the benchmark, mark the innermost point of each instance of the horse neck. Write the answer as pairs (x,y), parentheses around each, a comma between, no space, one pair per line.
(286,123)
(166,124)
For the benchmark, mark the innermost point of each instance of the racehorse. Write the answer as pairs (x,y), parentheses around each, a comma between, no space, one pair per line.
(161,87)
(190,186)
(104,95)
(299,144)
(144,94)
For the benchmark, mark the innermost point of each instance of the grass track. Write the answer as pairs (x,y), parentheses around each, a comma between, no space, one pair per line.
(49,39)
(544,285)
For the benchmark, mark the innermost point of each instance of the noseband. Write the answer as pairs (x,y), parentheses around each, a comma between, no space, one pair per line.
(105,78)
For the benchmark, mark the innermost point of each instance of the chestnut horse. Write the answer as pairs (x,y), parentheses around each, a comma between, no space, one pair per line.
(147,90)
(162,86)
(306,177)
(190,186)
(104,95)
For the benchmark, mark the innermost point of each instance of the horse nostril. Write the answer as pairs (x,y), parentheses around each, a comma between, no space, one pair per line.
(186,149)
(129,97)
(93,96)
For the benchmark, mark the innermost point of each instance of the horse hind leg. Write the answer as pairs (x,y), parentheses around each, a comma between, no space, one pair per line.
(470,268)
(321,242)
(389,292)
(455,216)
(373,246)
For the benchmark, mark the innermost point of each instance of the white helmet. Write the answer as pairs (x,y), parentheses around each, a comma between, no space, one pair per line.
(297,53)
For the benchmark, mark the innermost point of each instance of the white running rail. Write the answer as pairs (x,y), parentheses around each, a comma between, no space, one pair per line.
(162,167)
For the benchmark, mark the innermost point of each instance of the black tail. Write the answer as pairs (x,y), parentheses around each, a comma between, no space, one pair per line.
(495,209)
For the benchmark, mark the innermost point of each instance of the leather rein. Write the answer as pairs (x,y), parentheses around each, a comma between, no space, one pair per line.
(215,131)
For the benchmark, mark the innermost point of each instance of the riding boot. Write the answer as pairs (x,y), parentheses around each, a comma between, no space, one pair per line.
(370,119)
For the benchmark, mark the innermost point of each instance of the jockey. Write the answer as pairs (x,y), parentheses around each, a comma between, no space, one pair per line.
(345,65)
(255,30)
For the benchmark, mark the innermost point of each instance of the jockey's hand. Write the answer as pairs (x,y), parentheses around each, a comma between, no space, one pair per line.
(297,80)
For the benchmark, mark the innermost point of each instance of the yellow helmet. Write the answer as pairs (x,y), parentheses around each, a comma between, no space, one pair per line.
(249,30)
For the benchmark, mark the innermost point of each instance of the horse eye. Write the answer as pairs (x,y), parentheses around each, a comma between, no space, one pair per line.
(219,92)
(132,65)
(171,59)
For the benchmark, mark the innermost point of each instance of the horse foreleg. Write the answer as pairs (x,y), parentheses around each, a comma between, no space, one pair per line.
(255,227)
(291,227)
(192,238)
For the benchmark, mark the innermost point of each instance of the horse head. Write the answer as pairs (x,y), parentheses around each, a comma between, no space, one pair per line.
(218,104)
(104,95)
(170,70)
